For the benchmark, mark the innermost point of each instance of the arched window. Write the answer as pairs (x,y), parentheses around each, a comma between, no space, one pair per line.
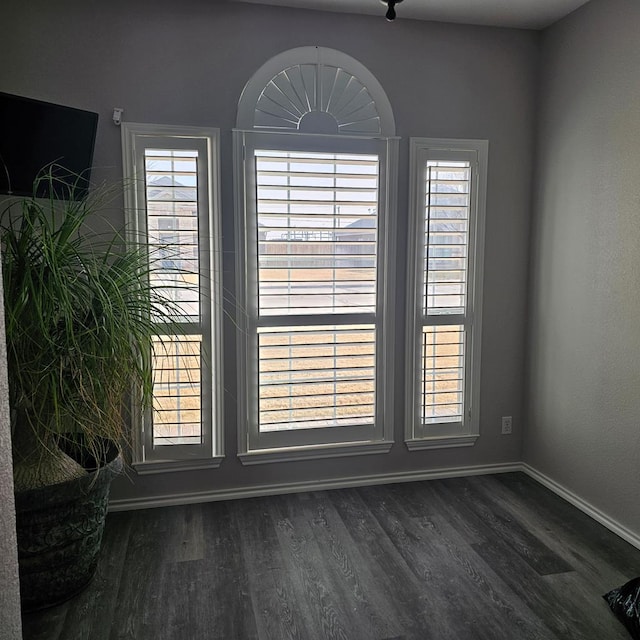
(315,90)
(315,175)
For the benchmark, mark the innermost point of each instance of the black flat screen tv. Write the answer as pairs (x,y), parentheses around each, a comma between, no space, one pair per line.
(33,136)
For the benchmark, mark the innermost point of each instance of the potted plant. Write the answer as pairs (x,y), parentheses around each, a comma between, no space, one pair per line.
(79,313)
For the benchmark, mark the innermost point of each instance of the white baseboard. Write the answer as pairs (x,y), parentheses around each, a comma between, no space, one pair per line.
(574,499)
(298,487)
(377,479)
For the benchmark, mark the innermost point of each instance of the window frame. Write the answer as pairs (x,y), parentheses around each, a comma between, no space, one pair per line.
(136,138)
(255,447)
(445,434)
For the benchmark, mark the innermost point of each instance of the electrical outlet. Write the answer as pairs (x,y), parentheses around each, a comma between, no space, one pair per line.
(507,425)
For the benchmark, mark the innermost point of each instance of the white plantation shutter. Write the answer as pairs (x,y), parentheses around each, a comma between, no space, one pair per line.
(170,205)
(445,275)
(172,223)
(316,376)
(317,232)
(443,374)
(177,403)
(317,235)
(446,210)
(445,244)
(313,236)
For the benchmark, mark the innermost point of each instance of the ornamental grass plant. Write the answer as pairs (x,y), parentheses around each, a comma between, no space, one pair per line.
(80,313)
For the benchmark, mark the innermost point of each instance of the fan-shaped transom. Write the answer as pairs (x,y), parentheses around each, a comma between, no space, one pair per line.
(315,90)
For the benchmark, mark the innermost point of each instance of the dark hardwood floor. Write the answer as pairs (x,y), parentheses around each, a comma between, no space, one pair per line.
(490,557)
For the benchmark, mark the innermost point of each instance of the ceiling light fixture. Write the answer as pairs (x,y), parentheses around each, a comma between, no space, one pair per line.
(391,11)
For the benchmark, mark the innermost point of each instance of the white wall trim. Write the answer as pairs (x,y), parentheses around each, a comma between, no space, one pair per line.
(440,442)
(593,512)
(298,487)
(169,466)
(315,452)
(254,491)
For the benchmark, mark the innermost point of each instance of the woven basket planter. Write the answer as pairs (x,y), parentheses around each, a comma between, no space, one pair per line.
(59,530)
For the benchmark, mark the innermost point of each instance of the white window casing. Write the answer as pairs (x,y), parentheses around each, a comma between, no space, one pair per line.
(315,90)
(315,248)
(444,291)
(172,204)
(315,169)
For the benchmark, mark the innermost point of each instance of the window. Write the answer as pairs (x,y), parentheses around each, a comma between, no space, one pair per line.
(314,185)
(172,205)
(446,232)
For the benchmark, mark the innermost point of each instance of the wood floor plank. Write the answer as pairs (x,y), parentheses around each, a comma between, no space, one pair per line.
(454,579)
(221,593)
(425,555)
(576,594)
(185,535)
(395,578)
(329,613)
(89,611)
(500,524)
(595,571)
(486,558)
(278,614)
(506,615)
(349,570)
(137,603)
(574,524)
(530,588)
(430,497)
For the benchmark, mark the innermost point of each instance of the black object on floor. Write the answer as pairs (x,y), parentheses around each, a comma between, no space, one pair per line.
(625,603)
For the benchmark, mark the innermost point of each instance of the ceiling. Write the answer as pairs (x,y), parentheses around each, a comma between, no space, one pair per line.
(521,14)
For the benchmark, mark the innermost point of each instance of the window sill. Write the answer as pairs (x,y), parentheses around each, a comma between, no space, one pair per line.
(168,466)
(314,452)
(441,442)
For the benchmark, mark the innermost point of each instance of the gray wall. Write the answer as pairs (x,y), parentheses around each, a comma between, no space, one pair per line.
(186,63)
(10,623)
(584,399)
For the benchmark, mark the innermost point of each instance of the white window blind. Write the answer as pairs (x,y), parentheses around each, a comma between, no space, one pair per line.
(171,190)
(317,232)
(446,236)
(177,390)
(171,186)
(445,275)
(316,376)
(317,255)
(446,210)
